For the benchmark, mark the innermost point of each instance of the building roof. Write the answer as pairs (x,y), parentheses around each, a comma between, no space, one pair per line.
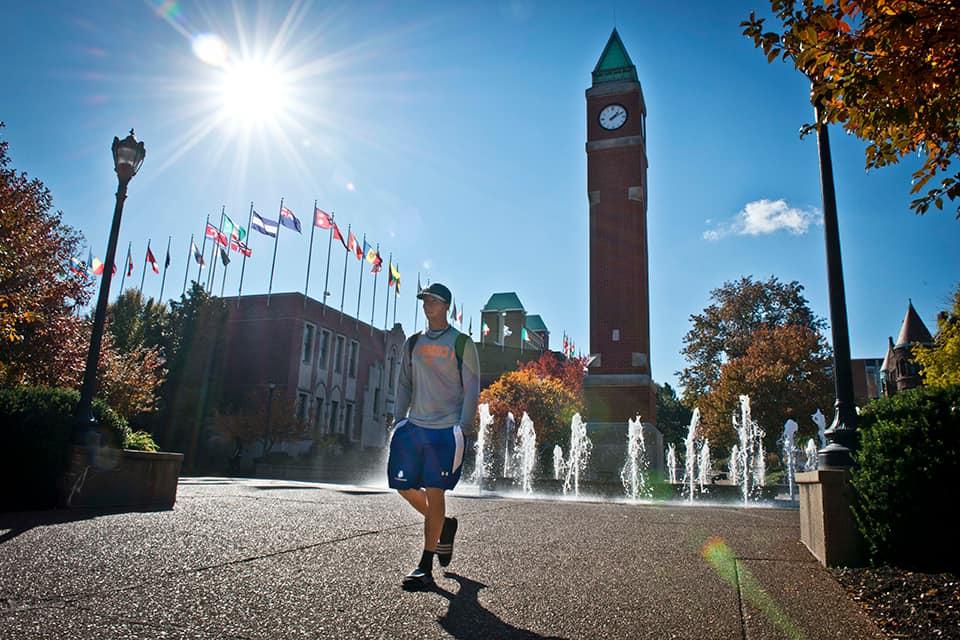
(535,323)
(614,64)
(912,330)
(507,301)
(888,359)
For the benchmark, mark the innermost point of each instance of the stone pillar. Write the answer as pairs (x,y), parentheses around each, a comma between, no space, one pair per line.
(827,527)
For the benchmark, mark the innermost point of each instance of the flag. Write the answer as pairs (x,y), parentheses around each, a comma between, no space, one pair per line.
(453,311)
(395,276)
(152,261)
(460,315)
(369,252)
(506,331)
(211,231)
(238,245)
(524,336)
(224,258)
(377,262)
(222,240)
(289,220)
(78,266)
(264,225)
(196,255)
(354,245)
(485,329)
(232,229)
(166,262)
(97,267)
(321,219)
(470,327)
(129,265)
(89,264)
(339,236)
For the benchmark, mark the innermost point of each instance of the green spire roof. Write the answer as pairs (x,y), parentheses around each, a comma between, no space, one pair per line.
(614,64)
(507,301)
(535,323)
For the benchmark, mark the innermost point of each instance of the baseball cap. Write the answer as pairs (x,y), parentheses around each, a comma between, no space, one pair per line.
(436,290)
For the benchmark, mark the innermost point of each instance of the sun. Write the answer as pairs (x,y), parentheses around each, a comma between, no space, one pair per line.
(253,92)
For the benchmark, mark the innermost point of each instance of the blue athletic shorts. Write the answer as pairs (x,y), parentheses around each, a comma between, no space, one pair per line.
(421,457)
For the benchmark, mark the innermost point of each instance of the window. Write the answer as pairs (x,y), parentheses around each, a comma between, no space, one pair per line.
(318,414)
(303,406)
(376,402)
(354,358)
(338,355)
(393,369)
(308,331)
(324,348)
(351,428)
(334,411)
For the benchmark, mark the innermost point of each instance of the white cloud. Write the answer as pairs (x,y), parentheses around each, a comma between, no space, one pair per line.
(763,217)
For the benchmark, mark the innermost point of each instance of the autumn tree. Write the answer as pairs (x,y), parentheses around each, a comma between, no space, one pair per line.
(569,371)
(940,362)
(548,402)
(725,329)
(786,371)
(888,71)
(41,335)
(673,417)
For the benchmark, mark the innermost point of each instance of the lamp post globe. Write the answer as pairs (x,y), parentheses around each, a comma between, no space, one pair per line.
(128,155)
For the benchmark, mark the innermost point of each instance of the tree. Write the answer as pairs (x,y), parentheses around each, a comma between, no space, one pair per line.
(887,70)
(548,402)
(259,421)
(726,328)
(941,362)
(41,337)
(569,371)
(786,371)
(673,417)
(138,322)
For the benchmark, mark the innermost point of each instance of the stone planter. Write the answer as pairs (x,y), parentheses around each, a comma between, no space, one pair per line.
(130,479)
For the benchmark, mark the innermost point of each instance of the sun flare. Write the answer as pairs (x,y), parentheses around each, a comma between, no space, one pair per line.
(253,92)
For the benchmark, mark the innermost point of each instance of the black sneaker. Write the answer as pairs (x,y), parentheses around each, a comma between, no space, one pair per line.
(445,546)
(418,580)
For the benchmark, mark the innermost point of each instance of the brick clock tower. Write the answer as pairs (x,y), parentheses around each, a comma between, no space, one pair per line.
(618,385)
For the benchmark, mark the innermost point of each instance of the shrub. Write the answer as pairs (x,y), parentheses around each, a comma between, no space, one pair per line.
(36,425)
(908,465)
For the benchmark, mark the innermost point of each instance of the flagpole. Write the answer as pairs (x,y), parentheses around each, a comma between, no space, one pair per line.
(373,305)
(386,310)
(213,254)
(503,331)
(144,275)
(415,306)
(203,247)
(313,227)
(326,278)
(396,296)
(276,241)
(343,289)
(126,264)
(166,261)
(186,272)
(223,283)
(243,263)
(360,282)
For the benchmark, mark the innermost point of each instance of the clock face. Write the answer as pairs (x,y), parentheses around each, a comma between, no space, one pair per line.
(613,116)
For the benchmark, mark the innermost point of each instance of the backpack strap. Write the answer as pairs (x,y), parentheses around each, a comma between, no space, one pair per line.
(411,343)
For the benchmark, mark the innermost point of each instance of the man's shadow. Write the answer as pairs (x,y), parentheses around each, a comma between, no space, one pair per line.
(466,619)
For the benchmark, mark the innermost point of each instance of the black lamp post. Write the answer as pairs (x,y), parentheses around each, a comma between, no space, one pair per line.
(128,155)
(842,434)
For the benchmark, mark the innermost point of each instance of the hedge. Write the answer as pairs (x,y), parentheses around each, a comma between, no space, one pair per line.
(908,467)
(36,424)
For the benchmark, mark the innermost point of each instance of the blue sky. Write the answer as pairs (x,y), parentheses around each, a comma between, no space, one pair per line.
(453,134)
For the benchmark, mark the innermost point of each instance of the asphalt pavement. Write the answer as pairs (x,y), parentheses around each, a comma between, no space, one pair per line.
(245,558)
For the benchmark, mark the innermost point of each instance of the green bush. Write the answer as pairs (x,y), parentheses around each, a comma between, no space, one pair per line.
(36,425)
(906,478)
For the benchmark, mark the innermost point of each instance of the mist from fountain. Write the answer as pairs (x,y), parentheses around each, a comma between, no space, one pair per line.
(481,470)
(789,445)
(821,422)
(733,465)
(579,455)
(634,472)
(672,462)
(525,453)
(810,451)
(703,473)
(559,465)
(690,454)
(750,450)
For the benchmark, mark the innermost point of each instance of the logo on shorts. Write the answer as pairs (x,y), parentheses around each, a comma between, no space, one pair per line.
(400,476)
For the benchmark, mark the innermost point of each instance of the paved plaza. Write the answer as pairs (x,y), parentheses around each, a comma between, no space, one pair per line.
(277,559)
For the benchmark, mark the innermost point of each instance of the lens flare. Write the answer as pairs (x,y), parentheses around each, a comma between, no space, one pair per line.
(210,48)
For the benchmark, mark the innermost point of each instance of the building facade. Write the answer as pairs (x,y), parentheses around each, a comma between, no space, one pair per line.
(899,370)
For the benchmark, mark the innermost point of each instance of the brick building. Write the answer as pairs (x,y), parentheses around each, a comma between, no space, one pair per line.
(899,371)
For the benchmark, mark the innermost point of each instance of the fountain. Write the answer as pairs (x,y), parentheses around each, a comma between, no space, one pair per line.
(733,466)
(509,425)
(703,473)
(634,472)
(672,462)
(821,422)
(690,457)
(525,453)
(752,463)
(789,453)
(810,451)
(580,446)
(481,470)
(559,466)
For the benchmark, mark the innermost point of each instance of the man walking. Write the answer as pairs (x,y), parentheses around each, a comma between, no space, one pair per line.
(437,395)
